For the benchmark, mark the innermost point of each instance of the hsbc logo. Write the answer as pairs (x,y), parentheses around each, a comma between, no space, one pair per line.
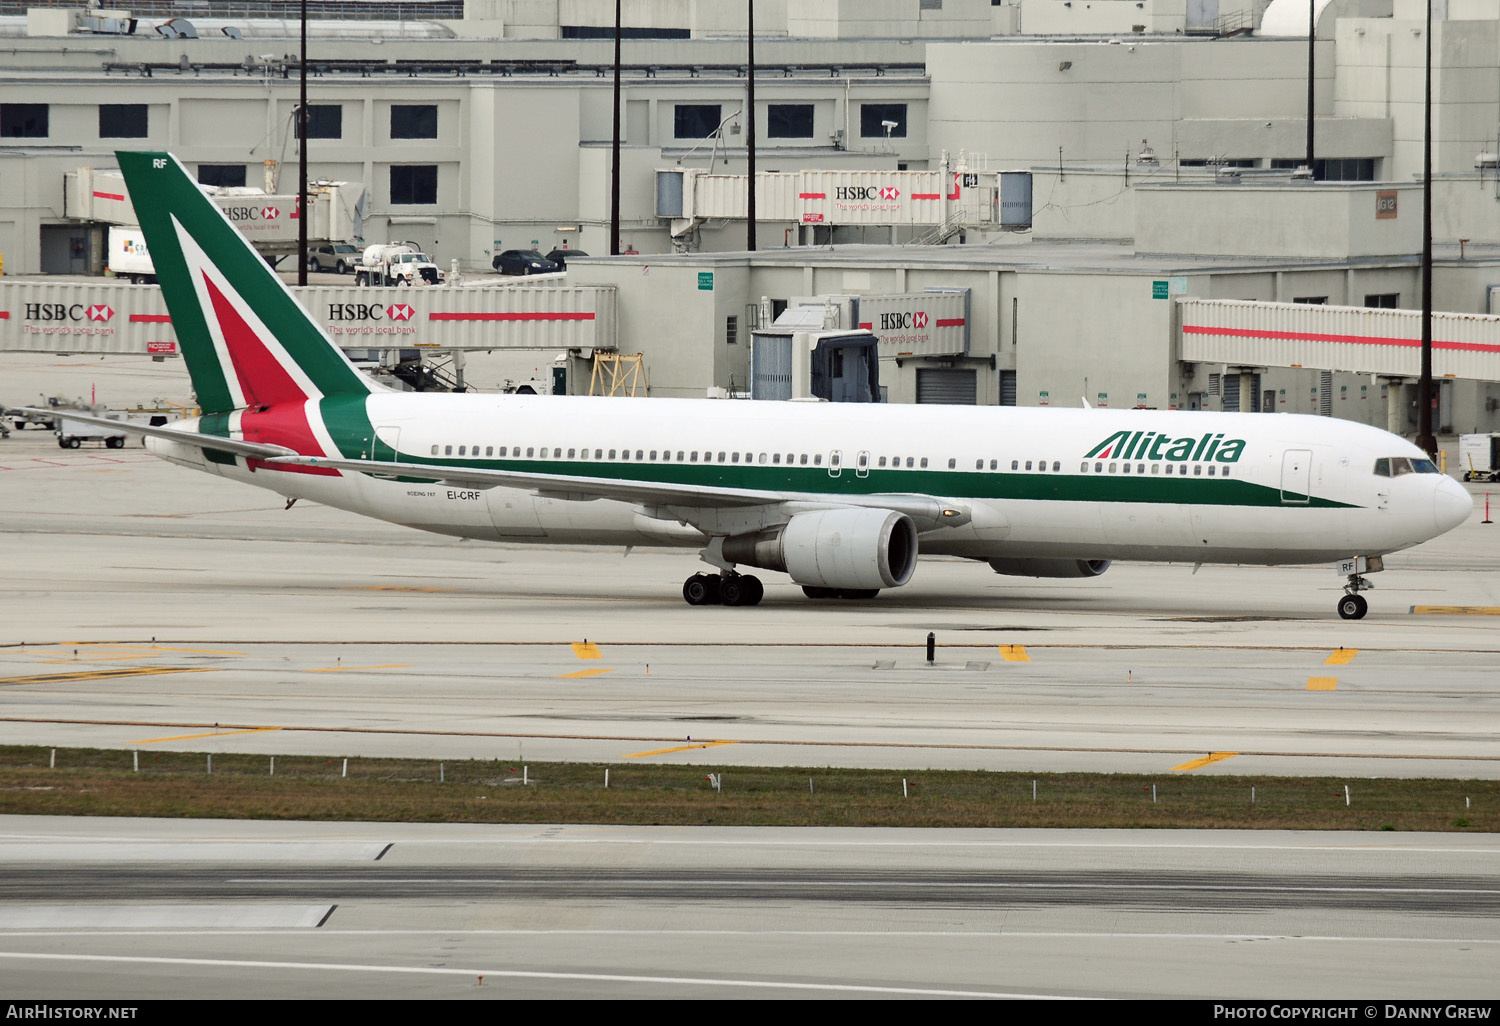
(65,312)
(355,312)
(898,321)
(269,213)
(866,192)
(244,213)
(399,311)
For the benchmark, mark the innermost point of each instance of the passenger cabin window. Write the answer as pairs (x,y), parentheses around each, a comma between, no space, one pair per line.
(434,450)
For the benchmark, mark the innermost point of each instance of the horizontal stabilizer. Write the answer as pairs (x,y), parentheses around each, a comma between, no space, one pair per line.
(193,438)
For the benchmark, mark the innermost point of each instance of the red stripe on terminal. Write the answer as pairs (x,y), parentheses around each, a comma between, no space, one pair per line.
(926,195)
(950,322)
(510,317)
(150,318)
(4,315)
(812,195)
(1365,340)
(867,324)
(109,195)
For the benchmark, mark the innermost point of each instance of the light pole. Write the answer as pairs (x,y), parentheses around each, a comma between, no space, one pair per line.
(1426,441)
(750,129)
(302,160)
(614,174)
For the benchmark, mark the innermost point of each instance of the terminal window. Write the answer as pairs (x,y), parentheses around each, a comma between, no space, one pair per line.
(789,121)
(222,175)
(122,121)
(1383,300)
(23,120)
(414,121)
(695,120)
(873,118)
(414,183)
(326,121)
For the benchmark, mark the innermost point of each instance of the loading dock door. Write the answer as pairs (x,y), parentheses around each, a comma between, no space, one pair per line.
(945,385)
(1296,477)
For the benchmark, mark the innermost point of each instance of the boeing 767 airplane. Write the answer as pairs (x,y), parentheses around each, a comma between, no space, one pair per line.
(841,497)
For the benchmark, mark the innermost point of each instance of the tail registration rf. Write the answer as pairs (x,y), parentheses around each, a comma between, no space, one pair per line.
(840,497)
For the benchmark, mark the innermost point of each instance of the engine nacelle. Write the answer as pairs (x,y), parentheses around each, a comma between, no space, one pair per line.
(1049,567)
(835,548)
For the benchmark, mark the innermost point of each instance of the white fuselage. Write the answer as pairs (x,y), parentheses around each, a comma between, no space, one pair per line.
(1299,489)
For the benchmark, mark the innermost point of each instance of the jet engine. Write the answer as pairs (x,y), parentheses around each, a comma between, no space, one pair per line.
(1049,567)
(854,549)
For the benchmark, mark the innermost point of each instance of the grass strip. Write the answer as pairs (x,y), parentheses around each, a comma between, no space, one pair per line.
(102,782)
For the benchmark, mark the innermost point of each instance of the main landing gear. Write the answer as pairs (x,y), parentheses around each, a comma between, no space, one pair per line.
(730,589)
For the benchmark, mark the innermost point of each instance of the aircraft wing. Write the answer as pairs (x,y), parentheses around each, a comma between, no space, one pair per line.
(925,509)
(260,450)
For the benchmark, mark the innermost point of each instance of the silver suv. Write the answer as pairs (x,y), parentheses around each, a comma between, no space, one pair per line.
(340,257)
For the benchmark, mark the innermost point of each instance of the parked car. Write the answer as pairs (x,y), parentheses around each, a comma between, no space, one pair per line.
(523,261)
(340,257)
(560,257)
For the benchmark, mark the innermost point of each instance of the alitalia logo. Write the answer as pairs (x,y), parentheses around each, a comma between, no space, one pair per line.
(1153,445)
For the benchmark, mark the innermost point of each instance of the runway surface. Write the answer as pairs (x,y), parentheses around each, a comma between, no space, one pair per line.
(138,909)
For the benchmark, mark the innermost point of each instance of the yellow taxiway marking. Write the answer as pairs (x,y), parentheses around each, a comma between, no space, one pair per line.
(102,674)
(1322,683)
(1014,654)
(339,669)
(1456,610)
(1207,760)
(586,650)
(194,737)
(1341,657)
(679,748)
(583,673)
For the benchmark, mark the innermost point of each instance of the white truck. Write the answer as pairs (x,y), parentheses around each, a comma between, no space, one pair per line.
(73,433)
(128,257)
(397,263)
(1479,456)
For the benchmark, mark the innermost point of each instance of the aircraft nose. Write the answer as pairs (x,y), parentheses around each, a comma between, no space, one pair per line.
(1451,504)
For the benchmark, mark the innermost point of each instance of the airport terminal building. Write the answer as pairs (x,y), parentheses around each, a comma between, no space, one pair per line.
(1094,181)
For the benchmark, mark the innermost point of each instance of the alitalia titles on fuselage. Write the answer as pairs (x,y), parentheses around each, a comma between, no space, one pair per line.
(1154,445)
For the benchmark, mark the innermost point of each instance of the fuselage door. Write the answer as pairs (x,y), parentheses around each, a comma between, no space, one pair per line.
(835,463)
(387,444)
(862,464)
(1296,477)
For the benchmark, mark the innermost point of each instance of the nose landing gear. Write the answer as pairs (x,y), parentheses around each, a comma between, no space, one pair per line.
(1352,606)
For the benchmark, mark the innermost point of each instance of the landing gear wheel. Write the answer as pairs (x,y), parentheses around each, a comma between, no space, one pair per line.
(817,593)
(859,594)
(1353,607)
(737,590)
(701,590)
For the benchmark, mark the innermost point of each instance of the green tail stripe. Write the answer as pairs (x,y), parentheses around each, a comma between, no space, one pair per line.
(161,189)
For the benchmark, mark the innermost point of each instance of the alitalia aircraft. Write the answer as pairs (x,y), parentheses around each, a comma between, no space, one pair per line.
(841,497)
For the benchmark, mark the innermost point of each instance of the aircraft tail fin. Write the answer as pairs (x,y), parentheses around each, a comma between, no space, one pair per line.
(246,339)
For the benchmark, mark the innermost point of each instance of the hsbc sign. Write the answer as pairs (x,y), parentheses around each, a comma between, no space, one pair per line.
(850,193)
(934,323)
(371,319)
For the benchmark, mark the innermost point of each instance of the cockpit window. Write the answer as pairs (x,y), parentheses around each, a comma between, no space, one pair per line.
(1396,466)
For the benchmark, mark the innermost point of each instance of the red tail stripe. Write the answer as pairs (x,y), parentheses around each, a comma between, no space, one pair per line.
(262,377)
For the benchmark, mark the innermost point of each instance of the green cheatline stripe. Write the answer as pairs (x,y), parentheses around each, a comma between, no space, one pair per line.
(351,429)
